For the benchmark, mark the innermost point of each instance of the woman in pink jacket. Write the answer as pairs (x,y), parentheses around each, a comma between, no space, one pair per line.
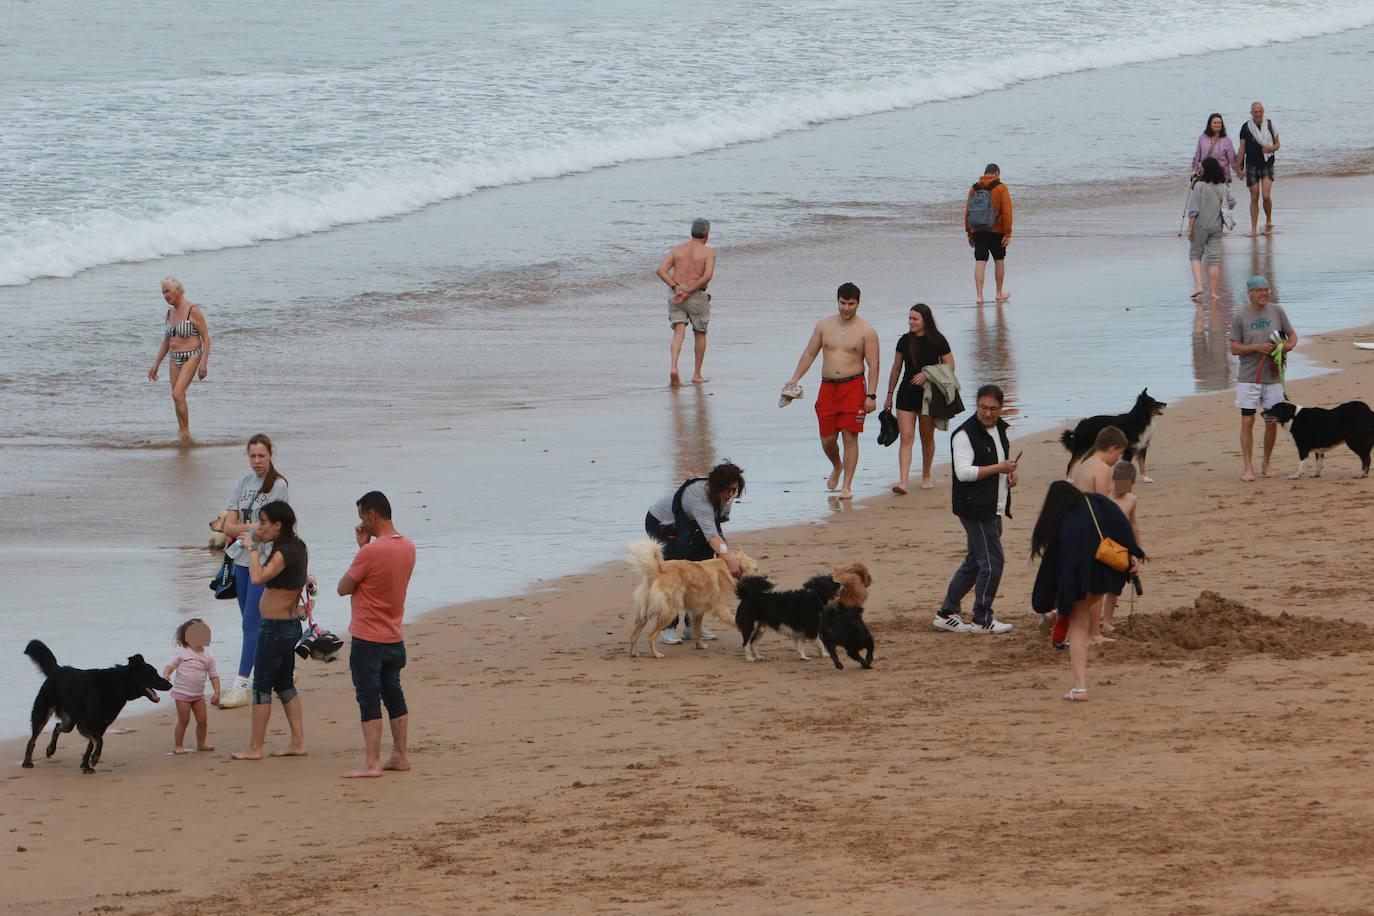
(1216,144)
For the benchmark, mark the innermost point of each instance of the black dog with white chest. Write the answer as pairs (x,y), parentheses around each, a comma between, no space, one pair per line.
(843,626)
(1320,429)
(86,699)
(795,613)
(1138,424)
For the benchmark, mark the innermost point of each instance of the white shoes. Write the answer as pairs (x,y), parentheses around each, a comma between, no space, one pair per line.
(953,623)
(996,626)
(670,637)
(234,697)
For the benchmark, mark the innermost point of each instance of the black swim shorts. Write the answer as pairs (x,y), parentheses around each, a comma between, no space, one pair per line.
(985,243)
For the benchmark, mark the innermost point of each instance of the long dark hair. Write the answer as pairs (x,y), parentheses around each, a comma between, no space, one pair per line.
(1060,498)
(932,333)
(279,513)
(1208,129)
(269,480)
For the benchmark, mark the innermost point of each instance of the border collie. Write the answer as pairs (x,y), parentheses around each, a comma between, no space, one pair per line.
(1138,424)
(1320,429)
(796,614)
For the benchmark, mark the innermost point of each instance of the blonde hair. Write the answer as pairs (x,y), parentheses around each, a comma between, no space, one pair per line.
(174,283)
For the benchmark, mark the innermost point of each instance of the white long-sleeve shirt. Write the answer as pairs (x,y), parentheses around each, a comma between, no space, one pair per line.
(967,471)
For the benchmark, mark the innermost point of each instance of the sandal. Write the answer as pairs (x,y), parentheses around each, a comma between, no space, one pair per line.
(1077,695)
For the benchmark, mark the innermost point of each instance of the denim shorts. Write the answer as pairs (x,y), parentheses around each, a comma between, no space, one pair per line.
(274,664)
(376,668)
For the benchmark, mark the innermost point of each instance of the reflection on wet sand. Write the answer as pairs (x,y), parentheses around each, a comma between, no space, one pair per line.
(694,446)
(991,359)
(1212,367)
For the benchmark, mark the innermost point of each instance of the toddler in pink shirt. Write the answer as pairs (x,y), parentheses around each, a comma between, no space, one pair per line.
(188,670)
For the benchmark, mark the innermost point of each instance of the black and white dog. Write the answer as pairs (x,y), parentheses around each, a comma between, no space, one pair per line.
(86,699)
(1320,429)
(843,626)
(1138,424)
(796,614)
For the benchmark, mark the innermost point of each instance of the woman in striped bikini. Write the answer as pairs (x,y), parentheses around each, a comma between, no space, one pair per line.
(187,340)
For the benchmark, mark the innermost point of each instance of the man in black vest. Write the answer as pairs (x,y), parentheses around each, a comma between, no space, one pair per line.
(983,478)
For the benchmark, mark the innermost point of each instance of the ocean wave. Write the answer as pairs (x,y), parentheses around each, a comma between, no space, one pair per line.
(334,192)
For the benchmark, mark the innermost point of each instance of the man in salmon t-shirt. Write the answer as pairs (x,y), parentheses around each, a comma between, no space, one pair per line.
(377,583)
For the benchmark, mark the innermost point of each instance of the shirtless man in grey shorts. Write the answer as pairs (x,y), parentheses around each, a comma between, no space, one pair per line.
(688,269)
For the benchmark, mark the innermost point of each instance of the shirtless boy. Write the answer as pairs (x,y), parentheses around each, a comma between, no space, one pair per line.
(1123,481)
(848,342)
(1094,473)
(687,270)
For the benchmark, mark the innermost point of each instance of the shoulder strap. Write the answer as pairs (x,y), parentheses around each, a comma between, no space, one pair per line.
(677,497)
(1087,498)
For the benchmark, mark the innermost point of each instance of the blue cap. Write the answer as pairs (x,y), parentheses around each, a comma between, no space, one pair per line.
(1256,282)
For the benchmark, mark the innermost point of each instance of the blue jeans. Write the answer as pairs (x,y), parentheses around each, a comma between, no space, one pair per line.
(249,595)
(376,668)
(980,571)
(274,665)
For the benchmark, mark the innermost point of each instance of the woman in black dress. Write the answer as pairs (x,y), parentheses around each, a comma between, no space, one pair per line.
(1066,538)
(923,345)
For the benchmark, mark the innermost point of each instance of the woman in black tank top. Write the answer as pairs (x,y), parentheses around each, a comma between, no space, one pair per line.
(274,664)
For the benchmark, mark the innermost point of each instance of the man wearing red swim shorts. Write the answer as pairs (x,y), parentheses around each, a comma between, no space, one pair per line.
(848,342)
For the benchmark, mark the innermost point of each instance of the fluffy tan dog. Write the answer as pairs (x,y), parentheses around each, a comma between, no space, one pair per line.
(217,538)
(674,587)
(854,582)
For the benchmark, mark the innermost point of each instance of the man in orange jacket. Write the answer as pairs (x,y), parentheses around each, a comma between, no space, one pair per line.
(987,220)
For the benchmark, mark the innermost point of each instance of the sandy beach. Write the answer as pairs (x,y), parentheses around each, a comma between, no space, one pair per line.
(1221,766)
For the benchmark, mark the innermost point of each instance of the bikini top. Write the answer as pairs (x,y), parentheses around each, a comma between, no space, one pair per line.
(186,328)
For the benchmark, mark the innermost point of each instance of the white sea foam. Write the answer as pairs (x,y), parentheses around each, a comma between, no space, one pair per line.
(273,155)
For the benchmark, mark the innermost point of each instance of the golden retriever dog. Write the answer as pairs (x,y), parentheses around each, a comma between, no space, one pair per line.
(672,588)
(854,582)
(217,537)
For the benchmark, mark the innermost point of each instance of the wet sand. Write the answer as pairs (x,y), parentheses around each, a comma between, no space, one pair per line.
(517,458)
(1220,767)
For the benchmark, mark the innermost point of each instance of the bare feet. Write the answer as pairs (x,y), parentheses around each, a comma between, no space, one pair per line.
(1267,471)
(1107,627)
(1248,476)
(399,764)
(833,481)
(1099,640)
(246,755)
(899,489)
(980,300)
(178,750)
(290,751)
(1251,234)
(1077,695)
(845,494)
(206,747)
(927,483)
(1269,228)
(1196,293)
(674,380)
(363,773)
(697,379)
(1003,297)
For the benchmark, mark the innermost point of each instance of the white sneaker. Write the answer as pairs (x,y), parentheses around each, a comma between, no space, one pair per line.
(234,697)
(670,637)
(707,634)
(996,626)
(953,623)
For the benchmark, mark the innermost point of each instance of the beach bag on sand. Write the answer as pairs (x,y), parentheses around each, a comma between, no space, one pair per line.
(223,584)
(1109,552)
(982,214)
